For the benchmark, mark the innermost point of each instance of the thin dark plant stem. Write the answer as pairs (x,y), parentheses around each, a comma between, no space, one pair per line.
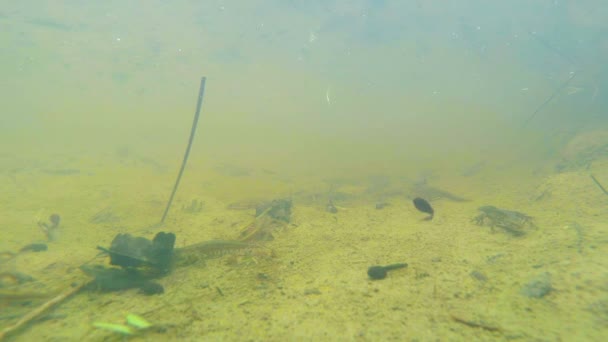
(549,99)
(599,185)
(199,103)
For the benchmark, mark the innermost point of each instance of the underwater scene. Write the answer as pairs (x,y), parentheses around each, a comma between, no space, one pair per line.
(279,170)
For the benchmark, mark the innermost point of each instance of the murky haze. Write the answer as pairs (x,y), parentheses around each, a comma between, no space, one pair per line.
(355,82)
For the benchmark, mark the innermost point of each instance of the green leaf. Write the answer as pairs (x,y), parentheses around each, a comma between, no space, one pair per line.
(138,321)
(117,328)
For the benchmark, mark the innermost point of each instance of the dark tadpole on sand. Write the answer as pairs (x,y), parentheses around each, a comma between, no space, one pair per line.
(424,206)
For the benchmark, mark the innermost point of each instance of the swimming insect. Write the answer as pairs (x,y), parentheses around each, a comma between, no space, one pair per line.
(379,272)
(424,206)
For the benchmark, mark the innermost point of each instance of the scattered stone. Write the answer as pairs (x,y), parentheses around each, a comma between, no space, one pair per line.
(479,276)
(381,205)
(309,292)
(538,287)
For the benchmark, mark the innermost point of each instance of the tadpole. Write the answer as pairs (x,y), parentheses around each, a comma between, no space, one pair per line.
(423,205)
(379,272)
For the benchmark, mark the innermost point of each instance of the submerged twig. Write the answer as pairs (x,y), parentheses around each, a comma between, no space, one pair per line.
(474,324)
(550,98)
(599,185)
(552,48)
(40,310)
(199,103)
(579,234)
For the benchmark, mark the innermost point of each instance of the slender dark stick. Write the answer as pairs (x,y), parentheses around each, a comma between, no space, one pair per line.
(199,103)
(551,47)
(37,312)
(559,89)
(599,185)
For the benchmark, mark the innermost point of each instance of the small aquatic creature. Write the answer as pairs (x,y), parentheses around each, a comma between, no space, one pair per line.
(422,205)
(379,272)
(50,228)
(512,222)
(278,209)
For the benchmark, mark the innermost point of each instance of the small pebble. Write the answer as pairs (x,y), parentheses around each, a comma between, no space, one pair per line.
(34,247)
(313,291)
(381,205)
(151,288)
(538,287)
(479,276)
